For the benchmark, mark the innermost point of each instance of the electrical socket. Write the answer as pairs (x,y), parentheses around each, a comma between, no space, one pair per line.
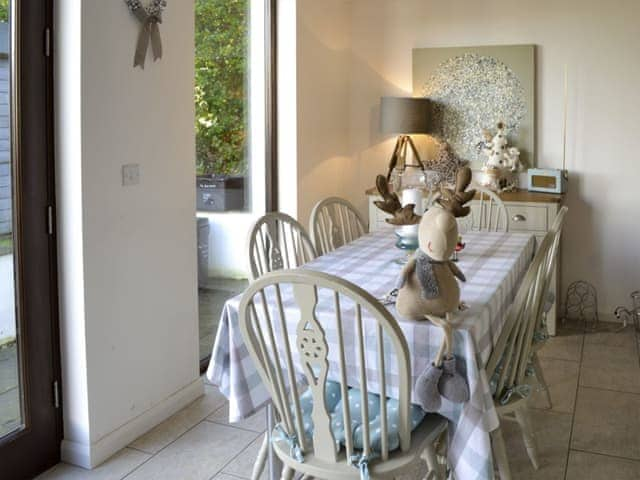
(130,174)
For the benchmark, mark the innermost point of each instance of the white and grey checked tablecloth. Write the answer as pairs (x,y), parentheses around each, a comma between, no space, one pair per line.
(494,265)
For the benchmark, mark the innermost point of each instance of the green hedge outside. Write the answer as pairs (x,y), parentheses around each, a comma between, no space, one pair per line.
(221,86)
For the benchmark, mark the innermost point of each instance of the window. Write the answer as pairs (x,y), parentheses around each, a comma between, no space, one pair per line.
(233,56)
(221,102)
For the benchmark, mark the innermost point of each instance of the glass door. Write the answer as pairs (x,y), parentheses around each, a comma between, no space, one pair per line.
(30,418)
(10,391)
(235,132)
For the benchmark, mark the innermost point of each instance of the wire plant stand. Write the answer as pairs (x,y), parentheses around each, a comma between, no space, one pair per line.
(582,304)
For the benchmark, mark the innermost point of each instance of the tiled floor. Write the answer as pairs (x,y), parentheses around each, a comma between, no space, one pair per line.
(592,432)
(196,443)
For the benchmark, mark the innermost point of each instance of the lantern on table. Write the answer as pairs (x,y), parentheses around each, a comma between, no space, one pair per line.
(406,178)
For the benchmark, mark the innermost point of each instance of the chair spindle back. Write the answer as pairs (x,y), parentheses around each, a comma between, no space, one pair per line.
(281,346)
(512,352)
(277,241)
(491,212)
(335,222)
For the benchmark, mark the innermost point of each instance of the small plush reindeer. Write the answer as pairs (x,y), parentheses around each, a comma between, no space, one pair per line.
(428,289)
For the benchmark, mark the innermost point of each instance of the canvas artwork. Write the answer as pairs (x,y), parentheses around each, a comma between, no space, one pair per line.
(474,88)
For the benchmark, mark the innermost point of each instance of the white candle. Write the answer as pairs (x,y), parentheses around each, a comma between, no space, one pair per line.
(413,195)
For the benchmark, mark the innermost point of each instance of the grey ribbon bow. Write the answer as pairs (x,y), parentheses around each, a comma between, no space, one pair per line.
(292,440)
(149,32)
(540,336)
(522,390)
(530,371)
(361,462)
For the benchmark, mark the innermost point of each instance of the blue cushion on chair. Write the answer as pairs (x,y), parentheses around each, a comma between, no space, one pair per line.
(335,408)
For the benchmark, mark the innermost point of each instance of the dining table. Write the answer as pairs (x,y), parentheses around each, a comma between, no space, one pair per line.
(494,264)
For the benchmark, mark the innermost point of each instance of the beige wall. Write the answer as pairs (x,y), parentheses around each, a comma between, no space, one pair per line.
(324,166)
(127,255)
(598,41)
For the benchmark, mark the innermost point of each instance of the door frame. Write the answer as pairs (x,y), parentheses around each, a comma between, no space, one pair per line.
(34,448)
(271,86)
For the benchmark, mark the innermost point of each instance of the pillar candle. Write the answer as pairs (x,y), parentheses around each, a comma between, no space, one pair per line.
(413,195)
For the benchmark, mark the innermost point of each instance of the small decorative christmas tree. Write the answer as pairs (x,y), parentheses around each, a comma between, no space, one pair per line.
(500,170)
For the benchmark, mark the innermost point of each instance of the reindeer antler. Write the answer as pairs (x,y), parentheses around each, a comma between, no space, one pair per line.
(405,216)
(454,200)
(391,204)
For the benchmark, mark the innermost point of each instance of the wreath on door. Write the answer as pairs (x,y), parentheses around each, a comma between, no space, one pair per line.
(150,17)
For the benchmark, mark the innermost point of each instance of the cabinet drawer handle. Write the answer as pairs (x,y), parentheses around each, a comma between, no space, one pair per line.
(519,218)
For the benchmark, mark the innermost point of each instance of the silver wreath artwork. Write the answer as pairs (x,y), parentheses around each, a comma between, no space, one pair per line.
(150,17)
(472,92)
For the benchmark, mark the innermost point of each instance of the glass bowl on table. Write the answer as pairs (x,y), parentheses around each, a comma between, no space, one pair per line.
(413,186)
(407,240)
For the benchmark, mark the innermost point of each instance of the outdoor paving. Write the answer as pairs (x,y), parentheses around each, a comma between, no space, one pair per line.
(9,393)
(211,301)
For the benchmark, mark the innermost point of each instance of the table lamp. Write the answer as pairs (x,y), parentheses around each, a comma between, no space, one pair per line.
(406,116)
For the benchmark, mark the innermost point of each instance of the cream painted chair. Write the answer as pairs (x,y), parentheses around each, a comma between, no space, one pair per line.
(509,366)
(335,222)
(552,258)
(490,214)
(541,334)
(279,352)
(277,241)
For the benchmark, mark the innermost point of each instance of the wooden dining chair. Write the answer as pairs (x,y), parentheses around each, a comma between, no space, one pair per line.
(552,258)
(335,222)
(277,241)
(541,334)
(283,342)
(509,367)
(490,214)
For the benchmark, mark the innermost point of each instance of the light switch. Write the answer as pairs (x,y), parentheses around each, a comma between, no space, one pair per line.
(130,174)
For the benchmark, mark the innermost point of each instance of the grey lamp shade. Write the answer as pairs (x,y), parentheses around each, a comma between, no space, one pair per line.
(405,115)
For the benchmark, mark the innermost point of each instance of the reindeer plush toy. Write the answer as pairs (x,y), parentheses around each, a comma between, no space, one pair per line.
(428,289)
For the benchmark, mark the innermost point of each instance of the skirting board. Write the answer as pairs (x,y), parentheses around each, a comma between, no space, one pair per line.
(90,456)
(604,317)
